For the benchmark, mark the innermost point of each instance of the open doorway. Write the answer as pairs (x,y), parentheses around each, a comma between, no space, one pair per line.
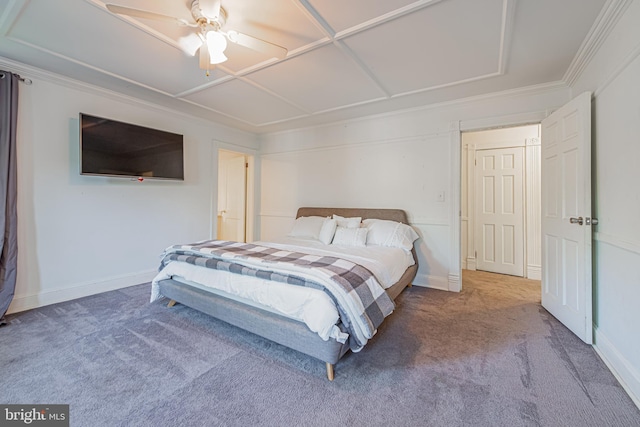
(559,227)
(500,201)
(234,189)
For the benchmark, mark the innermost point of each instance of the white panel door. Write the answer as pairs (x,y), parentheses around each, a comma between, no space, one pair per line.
(499,230)
(233,216)
(566,208)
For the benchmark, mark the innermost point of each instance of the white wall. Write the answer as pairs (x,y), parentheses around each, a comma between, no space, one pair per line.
(401,160)
(614,77)
(383,174)
(80,235)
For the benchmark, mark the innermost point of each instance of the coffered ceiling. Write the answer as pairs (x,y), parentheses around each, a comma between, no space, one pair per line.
(346,58)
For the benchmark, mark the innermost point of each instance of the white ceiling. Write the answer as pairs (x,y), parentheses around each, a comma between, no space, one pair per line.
(347,58)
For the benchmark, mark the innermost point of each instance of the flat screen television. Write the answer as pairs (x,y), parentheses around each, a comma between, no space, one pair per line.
(112,148)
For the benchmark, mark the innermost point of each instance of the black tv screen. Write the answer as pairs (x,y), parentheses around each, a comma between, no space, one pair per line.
(112,148)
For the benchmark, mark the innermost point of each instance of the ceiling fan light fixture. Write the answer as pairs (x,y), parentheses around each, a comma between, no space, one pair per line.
(190,44)
(218,58)
(207,35)
(216,44)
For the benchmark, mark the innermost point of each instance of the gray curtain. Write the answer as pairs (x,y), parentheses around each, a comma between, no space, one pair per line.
(8,189)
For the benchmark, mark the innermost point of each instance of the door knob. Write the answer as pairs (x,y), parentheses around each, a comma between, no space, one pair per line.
(578,220)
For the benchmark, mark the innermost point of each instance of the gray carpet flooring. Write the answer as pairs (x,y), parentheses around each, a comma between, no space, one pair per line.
(488,356)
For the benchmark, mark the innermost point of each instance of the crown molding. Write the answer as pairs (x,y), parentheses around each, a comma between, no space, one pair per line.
(602,27)
(37,74)
(533,90)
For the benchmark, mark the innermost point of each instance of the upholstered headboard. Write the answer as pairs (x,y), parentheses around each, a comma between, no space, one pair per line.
(397,215)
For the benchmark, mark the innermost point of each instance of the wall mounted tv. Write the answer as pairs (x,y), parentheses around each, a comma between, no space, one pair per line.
(112,148)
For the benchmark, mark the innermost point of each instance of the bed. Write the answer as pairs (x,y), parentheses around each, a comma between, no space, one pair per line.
(326,344)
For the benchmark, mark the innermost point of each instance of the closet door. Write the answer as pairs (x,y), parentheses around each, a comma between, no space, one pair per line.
(499,230)
(233,199)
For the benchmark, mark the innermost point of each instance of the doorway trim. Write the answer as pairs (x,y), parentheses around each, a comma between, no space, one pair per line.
(527,139)
(523,119)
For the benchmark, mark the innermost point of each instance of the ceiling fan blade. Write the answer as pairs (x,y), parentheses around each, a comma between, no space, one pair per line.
(273,50)
(122,10)
(210,8)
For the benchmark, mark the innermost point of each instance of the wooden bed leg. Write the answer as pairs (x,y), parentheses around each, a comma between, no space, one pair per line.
(171,303)
(330,371)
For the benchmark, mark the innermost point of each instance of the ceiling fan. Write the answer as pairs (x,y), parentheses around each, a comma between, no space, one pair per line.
(209,18)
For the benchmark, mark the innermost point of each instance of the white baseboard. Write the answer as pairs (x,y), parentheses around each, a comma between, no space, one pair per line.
(434,282)
(27,302)
(534,272)
(625,373)
(471,264)
(455,282)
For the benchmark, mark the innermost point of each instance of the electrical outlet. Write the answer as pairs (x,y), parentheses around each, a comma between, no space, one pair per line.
(440,196)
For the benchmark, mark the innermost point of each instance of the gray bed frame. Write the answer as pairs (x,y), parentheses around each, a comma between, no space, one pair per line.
(280,329)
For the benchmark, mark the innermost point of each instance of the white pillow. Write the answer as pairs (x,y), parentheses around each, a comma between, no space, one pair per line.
(348,222)
(390,233)
(328,230)
(350,236)
(307,226)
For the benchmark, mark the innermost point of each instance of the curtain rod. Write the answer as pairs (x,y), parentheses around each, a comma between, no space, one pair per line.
(26,81)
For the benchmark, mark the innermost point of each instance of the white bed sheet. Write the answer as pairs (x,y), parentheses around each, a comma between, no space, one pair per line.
(311,306)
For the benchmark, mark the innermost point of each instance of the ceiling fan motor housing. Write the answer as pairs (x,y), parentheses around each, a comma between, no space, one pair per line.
(202,20)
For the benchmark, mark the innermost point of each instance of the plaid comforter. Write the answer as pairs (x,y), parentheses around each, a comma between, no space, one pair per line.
(361,301)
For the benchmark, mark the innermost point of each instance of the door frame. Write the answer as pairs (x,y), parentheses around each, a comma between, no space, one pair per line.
(500,138)
(252,185)
(457,128)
